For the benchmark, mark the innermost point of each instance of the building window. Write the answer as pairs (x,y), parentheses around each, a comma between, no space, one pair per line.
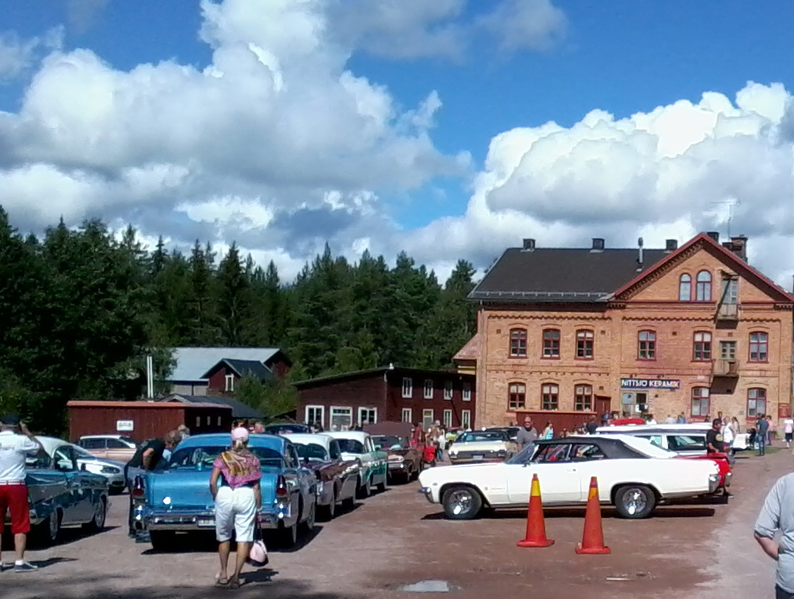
(700,401)
(517,396)
(583,398)
(427,418)
(759,347)
(702,347)
(465,419)
(408,387)
(341,418)
(447,418)
(447,389)
(685,288)
(407,415)
(229,383)
(728,350)
(756,402)
(584,345)
(703,293)
(518,343)
(551,343)
(367,416)
(646,345)
(550,394)
(315,415)
(428,389)
(466,392)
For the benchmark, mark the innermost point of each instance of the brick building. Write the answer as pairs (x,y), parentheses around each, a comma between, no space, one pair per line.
(388,395)
(566,333)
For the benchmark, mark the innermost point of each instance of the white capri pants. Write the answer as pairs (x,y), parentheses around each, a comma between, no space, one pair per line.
(235,511)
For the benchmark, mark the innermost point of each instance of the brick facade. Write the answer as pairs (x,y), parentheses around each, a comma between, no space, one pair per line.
(651,303)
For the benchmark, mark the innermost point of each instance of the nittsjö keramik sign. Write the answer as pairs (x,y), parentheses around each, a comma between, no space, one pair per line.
(650,384)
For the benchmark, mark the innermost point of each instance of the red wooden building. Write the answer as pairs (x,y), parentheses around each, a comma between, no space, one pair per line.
(388,394)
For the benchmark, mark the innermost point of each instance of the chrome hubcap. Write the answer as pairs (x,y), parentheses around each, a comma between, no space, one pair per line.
(460,501)
(635,501)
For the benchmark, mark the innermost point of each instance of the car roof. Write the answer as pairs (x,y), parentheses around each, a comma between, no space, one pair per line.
(224,439)
(318,438)
(670,429)
(614,446)
(692,426)
(103,437)
(354,435)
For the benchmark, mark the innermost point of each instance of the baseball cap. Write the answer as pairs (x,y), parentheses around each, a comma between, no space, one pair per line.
(240,434)
(11,420)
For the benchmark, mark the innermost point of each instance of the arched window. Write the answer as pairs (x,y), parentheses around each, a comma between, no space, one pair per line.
(703,293)
(702,347)
(759,347)
(551,343)
(700,401)
(584,345)
(518,343)
(583,398)
(756,402)
(550,396)
(516,396)
(685,288)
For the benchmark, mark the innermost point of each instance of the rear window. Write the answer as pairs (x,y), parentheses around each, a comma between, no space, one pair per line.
(686,442)
(92,443)
(480,436)
(190,457)
(311,452)
(351,446)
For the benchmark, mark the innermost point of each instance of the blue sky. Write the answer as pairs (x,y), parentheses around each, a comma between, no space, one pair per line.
(622,57)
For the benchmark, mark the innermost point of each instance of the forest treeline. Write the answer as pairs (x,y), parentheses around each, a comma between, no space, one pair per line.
(81,308)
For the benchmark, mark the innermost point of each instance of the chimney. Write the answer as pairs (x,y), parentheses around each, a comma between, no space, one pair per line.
(529,244)
(714,235)
(670,245)
(739,246)
(598,244)
(640,257)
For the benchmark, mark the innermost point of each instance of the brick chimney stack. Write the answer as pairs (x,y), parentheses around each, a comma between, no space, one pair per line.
(738,245)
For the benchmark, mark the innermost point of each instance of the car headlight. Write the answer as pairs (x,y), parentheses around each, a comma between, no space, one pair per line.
(320,487)
(714,477)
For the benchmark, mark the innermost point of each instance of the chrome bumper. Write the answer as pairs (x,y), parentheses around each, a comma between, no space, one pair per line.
(194,522)
(396,466)
(427,493)
(714,482)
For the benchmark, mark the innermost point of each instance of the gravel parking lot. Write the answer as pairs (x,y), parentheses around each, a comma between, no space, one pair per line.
(396,539)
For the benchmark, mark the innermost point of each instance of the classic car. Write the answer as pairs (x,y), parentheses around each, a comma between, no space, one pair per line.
(61,493)
(630,472)
(109,469)
(286,428)
(337,478)
(177,498)
(512,431)
(482,446)
(109,447)
(405,462)
(358,445)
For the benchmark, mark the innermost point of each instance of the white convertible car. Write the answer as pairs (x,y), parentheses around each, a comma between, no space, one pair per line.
(633,475)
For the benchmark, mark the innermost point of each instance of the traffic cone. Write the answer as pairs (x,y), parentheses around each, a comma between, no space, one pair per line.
(593,537)
(536,526)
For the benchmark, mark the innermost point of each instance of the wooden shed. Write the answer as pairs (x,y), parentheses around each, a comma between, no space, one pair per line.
(141,420)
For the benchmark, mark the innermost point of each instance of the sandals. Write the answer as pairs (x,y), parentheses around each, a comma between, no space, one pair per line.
(221,582)
(234,584)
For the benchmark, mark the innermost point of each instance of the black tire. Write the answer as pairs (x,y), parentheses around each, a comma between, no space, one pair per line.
(97,523)
(328,512)
(287,537)
(308,524)
(349,503)
(634,502)
(163,540)
(364,490)
(461,502)
(384,485)
(48,532)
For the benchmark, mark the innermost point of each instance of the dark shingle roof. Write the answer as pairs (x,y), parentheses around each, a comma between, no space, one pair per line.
(562,274)
(250,368)
(239,409)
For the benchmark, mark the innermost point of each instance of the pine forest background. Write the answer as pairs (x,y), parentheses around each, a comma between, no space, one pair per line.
(81,308)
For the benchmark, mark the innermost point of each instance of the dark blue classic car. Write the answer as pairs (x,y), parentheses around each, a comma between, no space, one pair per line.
(177,498)
(61,493)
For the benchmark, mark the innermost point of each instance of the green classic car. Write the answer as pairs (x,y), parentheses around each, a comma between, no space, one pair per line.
(358,445)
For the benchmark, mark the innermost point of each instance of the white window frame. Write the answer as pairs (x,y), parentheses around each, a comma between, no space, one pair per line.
(465,418)
(466,394)
(229,380)
(447,418)
(361,420)
(347,409)
(427,390)
(410,414)
(408,387)
(449,390)
(425,413)
(314,407)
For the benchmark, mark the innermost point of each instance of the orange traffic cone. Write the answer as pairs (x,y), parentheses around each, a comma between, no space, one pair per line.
(593,537)
(536,526)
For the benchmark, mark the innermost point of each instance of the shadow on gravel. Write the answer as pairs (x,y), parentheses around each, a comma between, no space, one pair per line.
(262,583)
(661,512)
(66,537)
(204,542)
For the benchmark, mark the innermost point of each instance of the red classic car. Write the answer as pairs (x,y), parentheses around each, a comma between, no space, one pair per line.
(724,465)
(405,462)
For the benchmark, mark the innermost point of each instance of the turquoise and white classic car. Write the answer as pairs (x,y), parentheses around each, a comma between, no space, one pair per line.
(358,445)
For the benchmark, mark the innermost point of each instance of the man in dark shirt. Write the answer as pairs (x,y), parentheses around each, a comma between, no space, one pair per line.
(762,426)
(714,442)
(592,426)
(147,458)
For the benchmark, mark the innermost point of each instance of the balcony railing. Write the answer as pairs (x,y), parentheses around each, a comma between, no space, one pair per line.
(727,367)
(728,312)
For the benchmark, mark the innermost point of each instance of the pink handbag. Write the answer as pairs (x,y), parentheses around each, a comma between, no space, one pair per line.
(257,558)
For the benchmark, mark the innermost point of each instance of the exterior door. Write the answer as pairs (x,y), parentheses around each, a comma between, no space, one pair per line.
(558,476)
(602,406)
(77,501)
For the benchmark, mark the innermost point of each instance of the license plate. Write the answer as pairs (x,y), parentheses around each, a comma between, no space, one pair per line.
(476,457)
(206,522)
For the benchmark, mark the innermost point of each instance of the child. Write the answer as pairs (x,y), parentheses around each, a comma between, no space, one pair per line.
(430,454)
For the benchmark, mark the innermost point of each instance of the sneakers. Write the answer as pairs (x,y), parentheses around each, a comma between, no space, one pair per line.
(24,567)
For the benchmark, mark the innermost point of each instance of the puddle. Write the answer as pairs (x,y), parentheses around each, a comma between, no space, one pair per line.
(428,586)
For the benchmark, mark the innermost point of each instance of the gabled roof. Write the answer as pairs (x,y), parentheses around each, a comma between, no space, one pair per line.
(373,372)
(561,274)
(243,368)
(470,351)
(725,254)
(193,362)
(239,409)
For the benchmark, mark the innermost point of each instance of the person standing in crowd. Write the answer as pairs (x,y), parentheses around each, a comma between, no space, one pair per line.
(762,432)
(788,430)
(548,432)
(735,425)
(184,431)
(770,431)
(605,418)
(777,517)
(235,488)
(681,419)
(148,457)
(16,444)
(714,441)
(259,428)
(670,419)
(650,420)
(728,436)
(592,426)
(527,435)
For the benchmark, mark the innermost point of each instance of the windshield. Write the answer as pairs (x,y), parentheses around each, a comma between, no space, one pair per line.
(646,447)
(481,436)
(312,452)
(193,456)
(523,456)
(351,446)
(389,441)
